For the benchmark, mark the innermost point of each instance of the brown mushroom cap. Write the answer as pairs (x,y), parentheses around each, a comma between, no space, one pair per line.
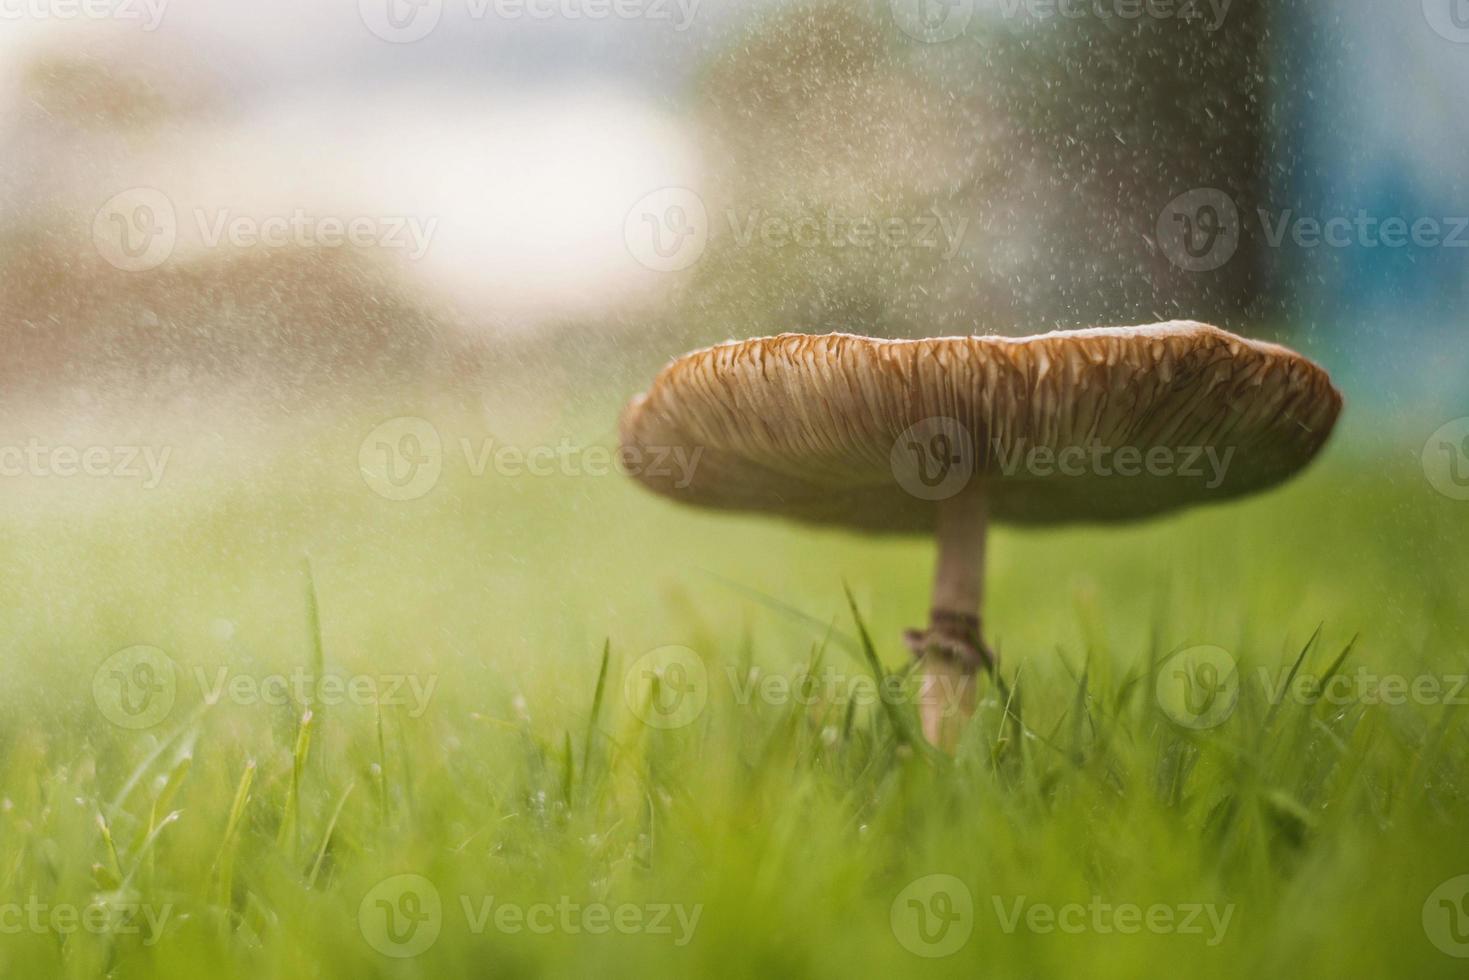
(818,428)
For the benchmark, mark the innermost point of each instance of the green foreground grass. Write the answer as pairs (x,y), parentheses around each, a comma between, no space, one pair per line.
(1086,830)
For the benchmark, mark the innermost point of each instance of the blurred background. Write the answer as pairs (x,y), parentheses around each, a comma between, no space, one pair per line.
(289,245)
(316,319)
(579,189)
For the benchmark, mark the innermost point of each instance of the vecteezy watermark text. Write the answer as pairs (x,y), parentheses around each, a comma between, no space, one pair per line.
(1201,230)
(936,458)
(1105,918)
(97,918)
(409,234)
(404,457)
(137,687)
(935,21)
(934,916)
(931,230)
(138,230)
(1209,13)
(669,229)
(669,687)
(35,458)
(831,686)
(300,686)
(148,12)
(1199,687)
(1206,463)
(402,917)
(1364,686)
(407,21)
(566,458)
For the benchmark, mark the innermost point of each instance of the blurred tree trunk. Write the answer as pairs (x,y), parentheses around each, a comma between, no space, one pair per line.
(1116,121)
(1058,143)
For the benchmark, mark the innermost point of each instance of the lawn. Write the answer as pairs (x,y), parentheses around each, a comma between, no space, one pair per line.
(1231,743)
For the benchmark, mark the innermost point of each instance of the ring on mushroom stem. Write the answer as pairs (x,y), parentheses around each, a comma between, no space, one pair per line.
(945,435)
(954,637)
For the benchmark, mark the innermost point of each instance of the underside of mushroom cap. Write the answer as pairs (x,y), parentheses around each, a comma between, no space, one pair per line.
(1108,424)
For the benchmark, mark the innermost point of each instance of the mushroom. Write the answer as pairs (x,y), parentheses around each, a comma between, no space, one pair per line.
(945,435)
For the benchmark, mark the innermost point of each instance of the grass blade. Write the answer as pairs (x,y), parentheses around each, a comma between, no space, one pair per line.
(290,816)
(326,838)
(313,625)
(224,861)
(900,722)
(1290,679)
(586,762)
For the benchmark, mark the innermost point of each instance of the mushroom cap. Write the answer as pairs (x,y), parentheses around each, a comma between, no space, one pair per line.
(1106,424)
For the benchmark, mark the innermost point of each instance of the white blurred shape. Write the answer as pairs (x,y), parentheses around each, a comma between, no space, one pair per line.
(524,185)
(524,197)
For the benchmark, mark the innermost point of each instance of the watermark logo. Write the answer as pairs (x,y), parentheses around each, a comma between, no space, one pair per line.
(136,230)
(401,916)
(1198,687)
(401,21)
(1448,18)
(667,687)
(402,458)
(135,688)
(933,459)
(932,21)
(933,916)
(1446,459)
(1199,230)
(667,230)
(1446,917)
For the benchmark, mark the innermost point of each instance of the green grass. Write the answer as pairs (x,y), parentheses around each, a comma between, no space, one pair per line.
(791,830)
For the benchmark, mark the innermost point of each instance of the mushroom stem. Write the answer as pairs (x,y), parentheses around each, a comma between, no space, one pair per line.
(958,585)
(951,650)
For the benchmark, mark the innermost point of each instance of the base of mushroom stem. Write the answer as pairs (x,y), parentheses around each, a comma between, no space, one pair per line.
(951,654)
